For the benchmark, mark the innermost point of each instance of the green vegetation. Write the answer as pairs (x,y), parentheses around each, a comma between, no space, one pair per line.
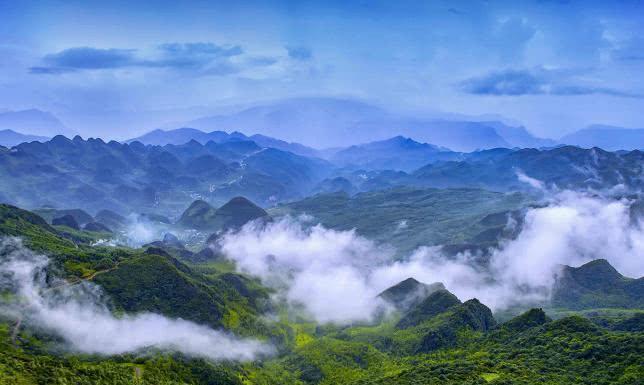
(595,285)
(430,216)
(432,339)
(234,214)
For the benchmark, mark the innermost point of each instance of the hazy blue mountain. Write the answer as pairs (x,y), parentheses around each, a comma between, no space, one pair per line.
(607,137)
(324,122)
(333,122)
(398,153)
(455,135)
(33,122)
(10,138)
(94,175)
(184,135)
(295,148)
(564,167)
(519,136)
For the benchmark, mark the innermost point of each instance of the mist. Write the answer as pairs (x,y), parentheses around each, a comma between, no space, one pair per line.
(79,316)
(336,275)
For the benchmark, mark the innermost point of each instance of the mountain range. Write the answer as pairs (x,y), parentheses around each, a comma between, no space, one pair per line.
(398,153)
(33,122)
(607,137)
(311,125)
(94,175)
(333,122)
(591,326)
(10,138)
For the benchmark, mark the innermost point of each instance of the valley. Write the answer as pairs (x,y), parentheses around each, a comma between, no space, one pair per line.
(382,276)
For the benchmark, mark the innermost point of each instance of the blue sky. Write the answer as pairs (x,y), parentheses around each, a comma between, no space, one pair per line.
(119,68)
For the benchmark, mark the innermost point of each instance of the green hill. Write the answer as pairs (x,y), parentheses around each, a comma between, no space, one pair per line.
(234,214)
(435,340)
(596,284)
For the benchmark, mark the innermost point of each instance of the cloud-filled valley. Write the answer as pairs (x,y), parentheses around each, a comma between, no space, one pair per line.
(337,275)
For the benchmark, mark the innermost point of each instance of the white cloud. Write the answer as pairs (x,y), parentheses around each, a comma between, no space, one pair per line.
(336,275)
(79,316)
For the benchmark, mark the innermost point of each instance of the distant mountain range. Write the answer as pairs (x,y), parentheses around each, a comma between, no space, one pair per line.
(607,137)
(183,135)
(331,122)
(94,175)
(33,122)
(310,126)
(398,153)
(10,138)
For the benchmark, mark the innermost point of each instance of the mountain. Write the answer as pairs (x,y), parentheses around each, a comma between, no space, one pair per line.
(607,137)
(10,138)
(518,136)
(149,281)
(435,303)
(49,214)
(33,122)
(334,122)
(565,167)
(408,293)
(234,214)
(200,215)
(184,135)
(302,120)
(439,340)
(94,175)
(399,216)
(295,148)
(398,153)
(110,219)
(237,212)
(596,284)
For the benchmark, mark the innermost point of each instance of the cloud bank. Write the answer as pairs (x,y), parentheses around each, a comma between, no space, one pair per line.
(538,81)
(78,315)
(336,275)
(199,58)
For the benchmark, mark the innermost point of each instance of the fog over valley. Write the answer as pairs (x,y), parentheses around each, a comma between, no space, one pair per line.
(321,193)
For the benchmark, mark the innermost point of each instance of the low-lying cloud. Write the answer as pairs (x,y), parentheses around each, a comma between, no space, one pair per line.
(79,316)
(337,275)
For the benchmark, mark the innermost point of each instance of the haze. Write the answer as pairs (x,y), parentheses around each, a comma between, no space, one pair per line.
(117,69)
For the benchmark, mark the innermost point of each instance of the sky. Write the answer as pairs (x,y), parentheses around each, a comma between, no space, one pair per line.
(120,68)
